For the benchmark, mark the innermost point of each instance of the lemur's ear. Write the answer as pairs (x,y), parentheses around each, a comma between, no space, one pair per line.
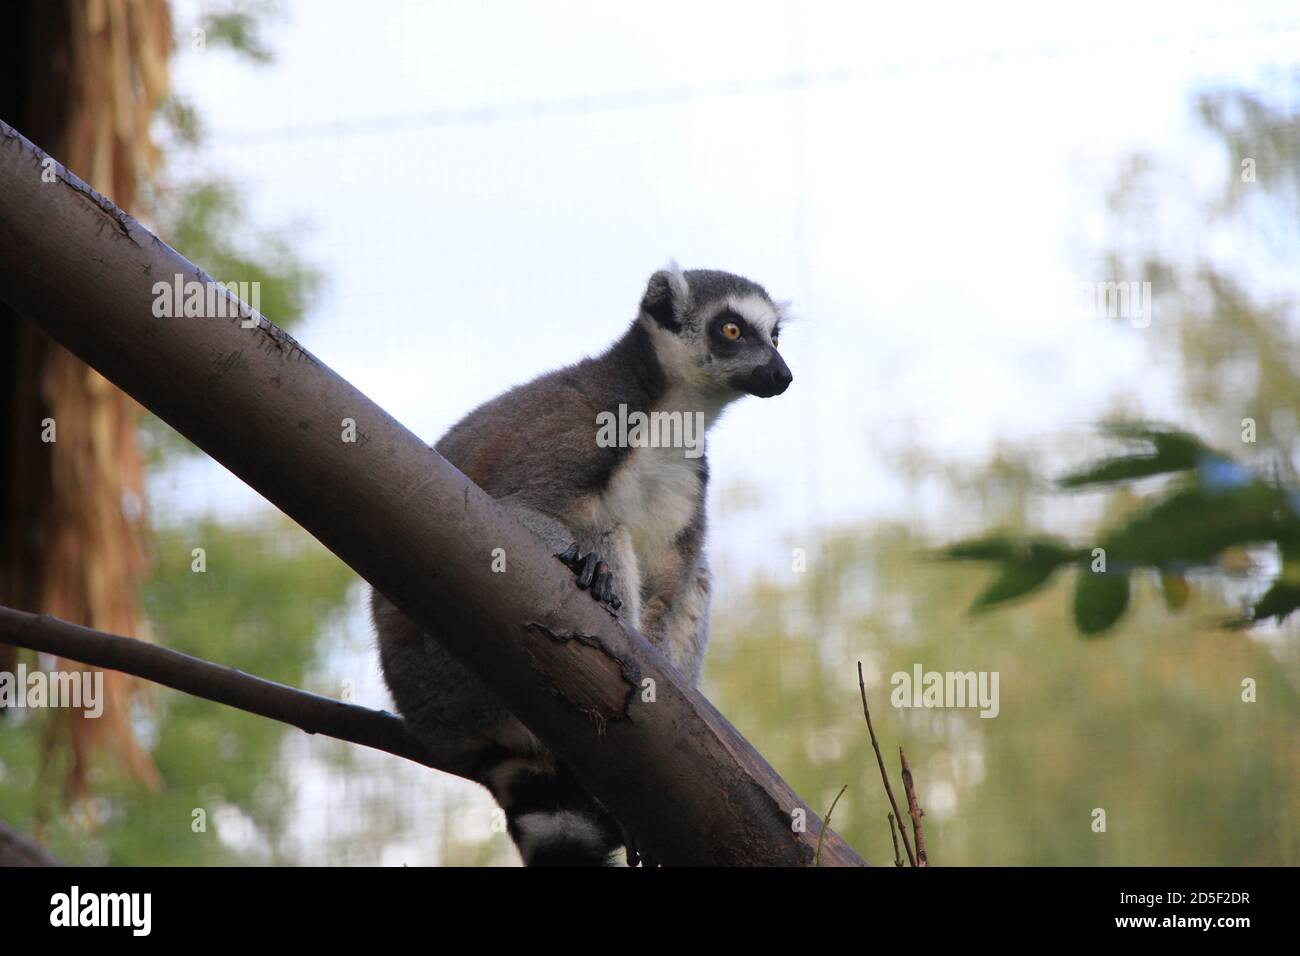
(666,298)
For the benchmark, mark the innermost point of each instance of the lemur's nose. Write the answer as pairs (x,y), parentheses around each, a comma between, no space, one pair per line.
(780,373)
(775,376)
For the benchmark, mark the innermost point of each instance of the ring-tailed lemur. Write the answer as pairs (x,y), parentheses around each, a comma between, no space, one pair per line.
(628,521)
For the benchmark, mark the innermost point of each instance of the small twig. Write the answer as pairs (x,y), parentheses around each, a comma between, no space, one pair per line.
(862,686)
(893,832)
(817,857)
(914,810)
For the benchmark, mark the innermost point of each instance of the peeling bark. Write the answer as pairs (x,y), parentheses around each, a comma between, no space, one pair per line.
(595,681)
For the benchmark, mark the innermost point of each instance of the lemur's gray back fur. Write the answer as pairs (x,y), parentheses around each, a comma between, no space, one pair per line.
(642,510)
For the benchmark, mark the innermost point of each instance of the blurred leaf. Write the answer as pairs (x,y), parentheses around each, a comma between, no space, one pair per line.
(1001,547)
(1169,451)
(992,548)
(1023,576)
(1028,564)
(1277,602)
(1100,598)
(1175,590)
(1283,596)
(1016,581)
(183,119)
(1192,526)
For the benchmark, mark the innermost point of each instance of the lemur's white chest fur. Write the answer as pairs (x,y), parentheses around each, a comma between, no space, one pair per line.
(654,495)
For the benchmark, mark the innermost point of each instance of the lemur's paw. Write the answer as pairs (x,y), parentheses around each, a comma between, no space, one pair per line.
(593,574)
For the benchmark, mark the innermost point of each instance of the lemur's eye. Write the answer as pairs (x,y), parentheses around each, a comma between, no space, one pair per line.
(776,338)
(731,331)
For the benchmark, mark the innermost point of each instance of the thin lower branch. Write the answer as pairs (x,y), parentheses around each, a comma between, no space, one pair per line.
(893,833)
(312,713)
(817,857)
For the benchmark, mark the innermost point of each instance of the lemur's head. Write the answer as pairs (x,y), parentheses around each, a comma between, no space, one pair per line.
(715,332)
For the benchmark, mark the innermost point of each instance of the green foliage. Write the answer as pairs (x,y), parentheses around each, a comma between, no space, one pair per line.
(1215,504)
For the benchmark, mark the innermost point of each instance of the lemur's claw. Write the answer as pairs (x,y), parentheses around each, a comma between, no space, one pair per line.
(593,575)
(587,575)
(602,588)
(570,557)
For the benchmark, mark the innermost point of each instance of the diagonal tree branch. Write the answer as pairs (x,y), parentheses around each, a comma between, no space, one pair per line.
(667,765)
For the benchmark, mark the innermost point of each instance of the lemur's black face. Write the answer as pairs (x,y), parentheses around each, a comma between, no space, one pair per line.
(716,333)
(751,353)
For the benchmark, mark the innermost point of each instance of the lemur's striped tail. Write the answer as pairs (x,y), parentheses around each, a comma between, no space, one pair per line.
(551,819)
